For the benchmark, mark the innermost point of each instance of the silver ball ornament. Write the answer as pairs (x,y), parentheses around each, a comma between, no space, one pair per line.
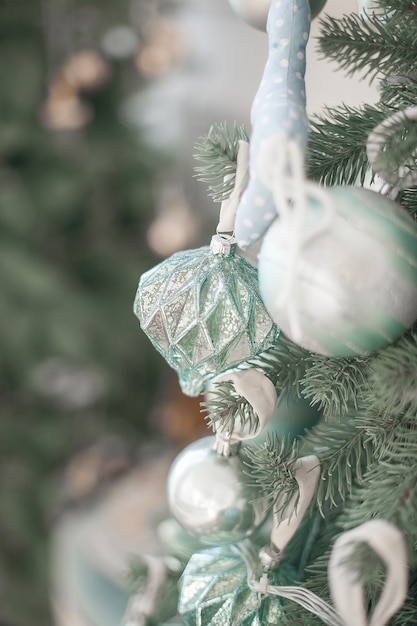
(352,288)
(207,497)
(255,12)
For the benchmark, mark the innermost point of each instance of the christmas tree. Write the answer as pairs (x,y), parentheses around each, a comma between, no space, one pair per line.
(274,527)
(76,195)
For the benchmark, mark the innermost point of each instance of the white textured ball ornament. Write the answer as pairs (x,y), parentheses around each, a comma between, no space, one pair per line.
(351,287)
(207,497)
(255,12)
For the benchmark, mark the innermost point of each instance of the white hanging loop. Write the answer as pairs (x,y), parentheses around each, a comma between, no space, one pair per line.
(404,177)
(281,163)
(143,604)
(261,394)
(307,474)
(228,207)
(348,593)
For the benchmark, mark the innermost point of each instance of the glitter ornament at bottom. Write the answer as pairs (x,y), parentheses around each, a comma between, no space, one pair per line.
(352,288)
(208,497)
(203,312)
(215,592)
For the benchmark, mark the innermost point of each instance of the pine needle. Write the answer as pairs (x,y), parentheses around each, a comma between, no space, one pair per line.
(218,149)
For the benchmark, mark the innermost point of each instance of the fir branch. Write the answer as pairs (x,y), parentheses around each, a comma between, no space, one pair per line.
(230,408)
(337,143)
(345,453)
(408,200)
(335,384)
(271,469)
(397,150)
(372,46)
(218,149)
(393,378)
(284,365)
(399,90)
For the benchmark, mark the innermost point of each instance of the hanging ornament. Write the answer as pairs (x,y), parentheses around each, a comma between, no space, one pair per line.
(279,120)
(255,12)
(215,591)
(202,309)
(341,279)
(208,497)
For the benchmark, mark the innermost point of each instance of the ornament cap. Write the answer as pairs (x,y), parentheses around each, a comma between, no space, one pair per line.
(223,244)
(270,556)
(227,447)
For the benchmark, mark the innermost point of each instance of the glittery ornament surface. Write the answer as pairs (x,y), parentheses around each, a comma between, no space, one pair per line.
(215,592)
(204,314)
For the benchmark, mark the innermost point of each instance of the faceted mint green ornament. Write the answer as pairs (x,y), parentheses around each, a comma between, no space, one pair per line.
(215,592)
(202,311)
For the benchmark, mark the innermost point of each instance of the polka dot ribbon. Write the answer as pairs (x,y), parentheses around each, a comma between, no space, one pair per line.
(278,111)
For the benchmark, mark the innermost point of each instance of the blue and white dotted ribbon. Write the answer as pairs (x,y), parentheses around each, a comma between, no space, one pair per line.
(278,112)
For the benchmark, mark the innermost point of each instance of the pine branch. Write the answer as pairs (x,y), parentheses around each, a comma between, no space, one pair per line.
(337,143)
(393,378)
(218,149)
(271,469)
(408,200)
(345,453)
(284,365)
(335,384)
(399,90)
(373,46)
(229,408)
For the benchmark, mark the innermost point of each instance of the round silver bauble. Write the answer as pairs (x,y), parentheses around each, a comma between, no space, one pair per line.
(208,498)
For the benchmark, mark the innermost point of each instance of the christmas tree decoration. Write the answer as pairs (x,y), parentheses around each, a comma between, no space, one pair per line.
(260,393)
(287,518)
(208,497)
(351,285)
(346,588)
(279,121)
(215,590)
(255,12)
(202,311)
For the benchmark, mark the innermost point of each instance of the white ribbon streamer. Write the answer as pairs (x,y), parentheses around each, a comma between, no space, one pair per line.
(229,206)
(282,171)
(307,474)
(143,604)
(261,394)
(348,593)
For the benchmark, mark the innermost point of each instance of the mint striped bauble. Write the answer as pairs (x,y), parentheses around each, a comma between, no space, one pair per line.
(352,287)
(255,12)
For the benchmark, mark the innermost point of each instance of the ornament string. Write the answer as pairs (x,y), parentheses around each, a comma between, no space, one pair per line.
(229,206)
(260,393)
(282,171)
(346,590)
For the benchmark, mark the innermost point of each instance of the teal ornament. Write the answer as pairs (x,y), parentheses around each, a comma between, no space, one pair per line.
(278,111)
(215,592)
(255,12)
(208,497)
(352,286)
(369,8)
(203,312)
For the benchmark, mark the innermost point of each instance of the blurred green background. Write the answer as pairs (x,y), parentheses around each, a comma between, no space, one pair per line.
(76,197)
